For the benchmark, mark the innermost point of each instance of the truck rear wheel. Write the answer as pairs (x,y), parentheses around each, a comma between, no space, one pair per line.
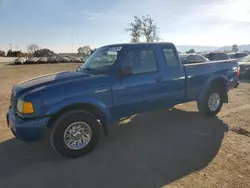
(75,134)
(211,103)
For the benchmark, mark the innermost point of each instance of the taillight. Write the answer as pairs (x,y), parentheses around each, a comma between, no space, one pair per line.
(238,71)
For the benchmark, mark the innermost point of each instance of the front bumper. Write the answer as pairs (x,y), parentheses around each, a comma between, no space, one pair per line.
(26,129)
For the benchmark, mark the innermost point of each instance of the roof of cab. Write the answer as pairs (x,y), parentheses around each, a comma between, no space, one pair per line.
(141,44)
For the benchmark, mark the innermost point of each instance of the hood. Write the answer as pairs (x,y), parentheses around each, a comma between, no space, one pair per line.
(244,63)
(48,79)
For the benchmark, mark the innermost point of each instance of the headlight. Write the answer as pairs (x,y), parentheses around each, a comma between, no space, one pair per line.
(25,107)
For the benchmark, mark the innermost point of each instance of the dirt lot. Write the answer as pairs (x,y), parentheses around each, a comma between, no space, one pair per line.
(173,148)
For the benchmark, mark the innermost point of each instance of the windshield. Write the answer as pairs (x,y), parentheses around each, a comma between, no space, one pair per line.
(231,55)
(246,59)
(102,59)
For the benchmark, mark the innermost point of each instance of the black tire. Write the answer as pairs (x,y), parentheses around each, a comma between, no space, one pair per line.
(203,104)
(63,122)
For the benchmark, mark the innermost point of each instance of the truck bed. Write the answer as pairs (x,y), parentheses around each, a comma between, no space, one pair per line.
(198,74)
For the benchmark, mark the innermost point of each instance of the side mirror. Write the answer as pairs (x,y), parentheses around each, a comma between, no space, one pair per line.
(126,71)
(78,68)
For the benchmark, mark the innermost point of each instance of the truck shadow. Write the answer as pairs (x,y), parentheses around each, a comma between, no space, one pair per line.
(152,150)
(245,81)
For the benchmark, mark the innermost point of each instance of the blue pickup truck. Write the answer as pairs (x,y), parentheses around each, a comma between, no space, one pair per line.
(115,81)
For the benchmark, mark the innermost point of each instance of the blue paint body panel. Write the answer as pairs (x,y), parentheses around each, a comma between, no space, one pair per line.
(27,130)
(115,97)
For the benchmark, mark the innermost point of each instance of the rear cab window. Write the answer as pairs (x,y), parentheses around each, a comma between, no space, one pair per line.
(171,58)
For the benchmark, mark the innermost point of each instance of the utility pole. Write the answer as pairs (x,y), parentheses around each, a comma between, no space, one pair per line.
(10,47)
(72,40)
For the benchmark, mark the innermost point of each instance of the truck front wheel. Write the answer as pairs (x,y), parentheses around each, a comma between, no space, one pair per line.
(211,103)
(75,133)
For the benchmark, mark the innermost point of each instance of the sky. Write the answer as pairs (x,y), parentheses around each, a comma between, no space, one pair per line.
(65,25)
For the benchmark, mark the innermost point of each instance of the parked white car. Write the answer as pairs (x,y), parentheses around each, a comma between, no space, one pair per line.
(43,60)
(32,60)
(63,59)
(21,60)
(76,60)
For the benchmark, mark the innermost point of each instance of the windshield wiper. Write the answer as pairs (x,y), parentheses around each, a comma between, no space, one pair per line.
(88,69)
(85,69)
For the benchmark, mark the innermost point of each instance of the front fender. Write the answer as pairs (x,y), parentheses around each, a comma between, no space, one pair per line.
(54,108)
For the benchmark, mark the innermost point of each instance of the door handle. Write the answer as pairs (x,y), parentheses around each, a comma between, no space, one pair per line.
(159,79)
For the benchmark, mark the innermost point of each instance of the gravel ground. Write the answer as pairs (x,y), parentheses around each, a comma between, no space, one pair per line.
(175,148)
(4,60)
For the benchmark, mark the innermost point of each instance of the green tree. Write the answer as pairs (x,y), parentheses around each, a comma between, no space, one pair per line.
(190,51)
(85,50)
(2,53)
(45,52)
(11,53)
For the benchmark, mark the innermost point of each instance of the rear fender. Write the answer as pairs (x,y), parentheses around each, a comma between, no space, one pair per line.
(222,83)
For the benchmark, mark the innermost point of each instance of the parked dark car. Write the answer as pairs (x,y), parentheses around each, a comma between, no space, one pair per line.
(192,58)
(217,56)
(64,60)
(245,67)
(238,55)
(53,59)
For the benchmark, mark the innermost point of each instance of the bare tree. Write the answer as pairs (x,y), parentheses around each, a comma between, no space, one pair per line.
(135,29)
(150,29)
(143,27)
(32,48)
(86,50)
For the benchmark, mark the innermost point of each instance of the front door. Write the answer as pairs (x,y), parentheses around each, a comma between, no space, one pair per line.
(140,91)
